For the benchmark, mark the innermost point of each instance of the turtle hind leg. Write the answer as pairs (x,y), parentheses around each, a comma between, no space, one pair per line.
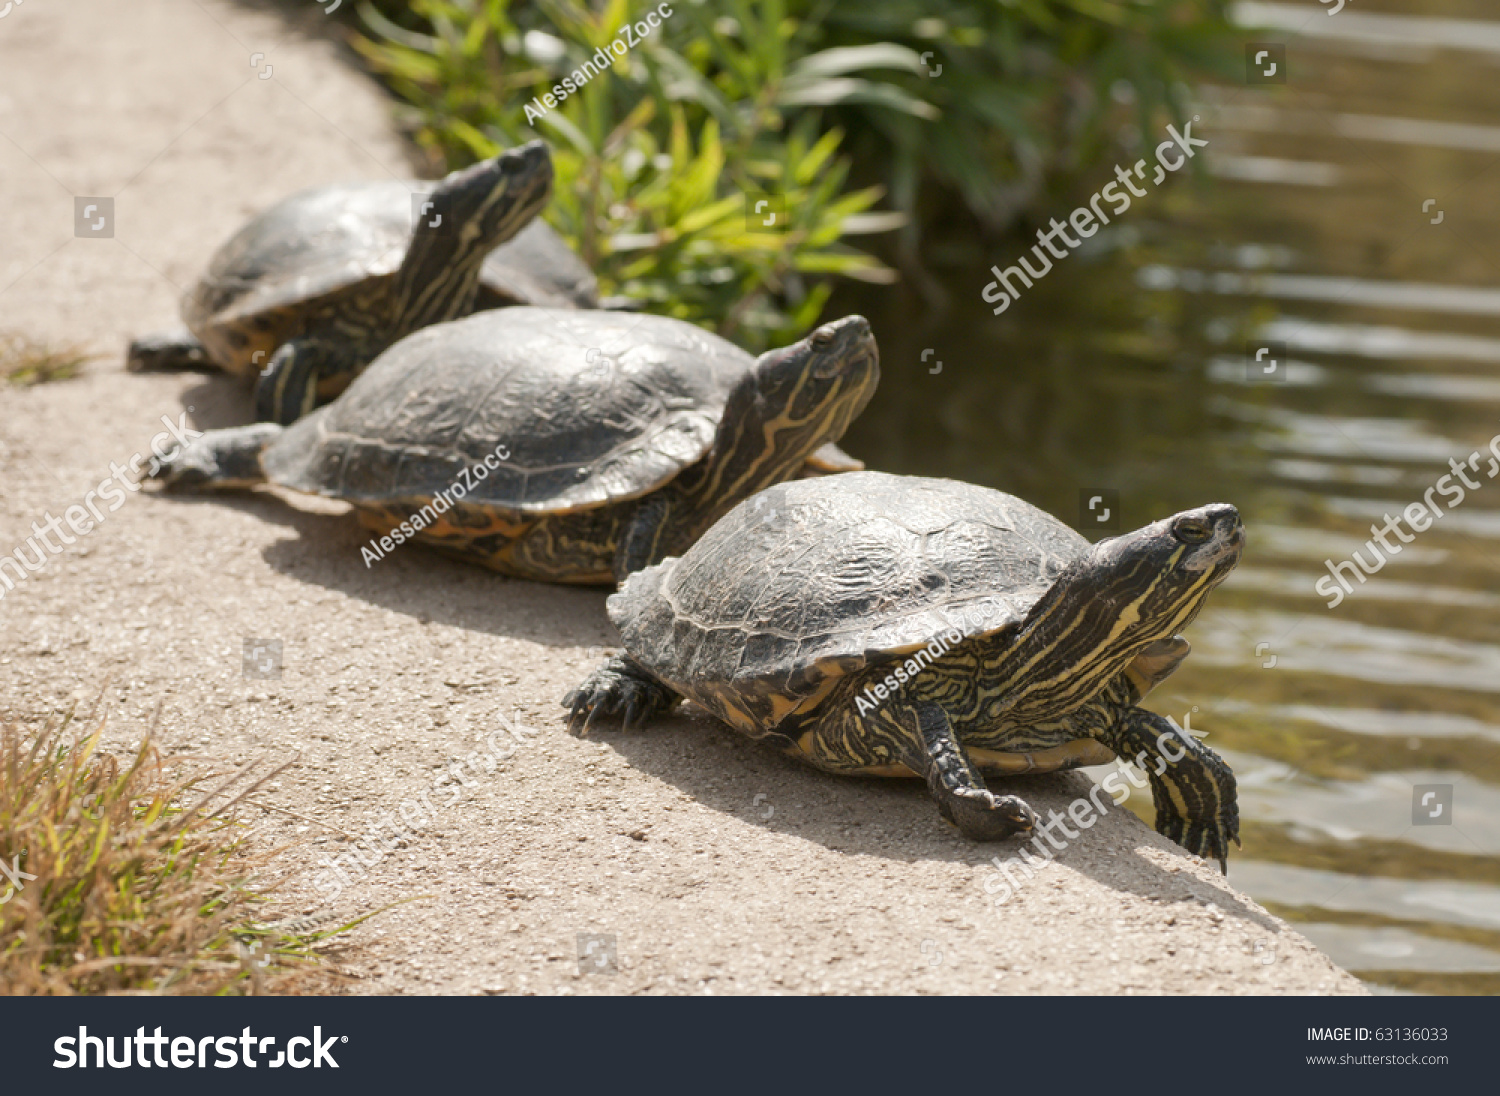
(622,686)
(219,459)
(160,351)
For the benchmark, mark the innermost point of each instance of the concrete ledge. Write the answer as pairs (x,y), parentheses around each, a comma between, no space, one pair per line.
(700,861)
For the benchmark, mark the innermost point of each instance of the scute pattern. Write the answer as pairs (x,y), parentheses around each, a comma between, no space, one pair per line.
(308,246)
(762,605)
(580,434)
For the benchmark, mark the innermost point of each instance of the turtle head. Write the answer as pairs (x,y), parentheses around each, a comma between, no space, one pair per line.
(793,401)
(494,199)
(1158,573)
(817,385)
(465,217)
(790,403)
(1118,601)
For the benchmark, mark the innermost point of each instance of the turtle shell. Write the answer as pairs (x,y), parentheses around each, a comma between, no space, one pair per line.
(322,242)
(815,579)
(591,408)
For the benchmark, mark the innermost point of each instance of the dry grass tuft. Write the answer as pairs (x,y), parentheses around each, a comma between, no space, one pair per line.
(142,883)
(24,361)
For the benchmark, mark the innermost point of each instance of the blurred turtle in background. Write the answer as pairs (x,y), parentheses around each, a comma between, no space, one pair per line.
(310,290)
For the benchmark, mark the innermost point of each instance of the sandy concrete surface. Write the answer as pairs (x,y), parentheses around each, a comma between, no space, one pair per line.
(715,866)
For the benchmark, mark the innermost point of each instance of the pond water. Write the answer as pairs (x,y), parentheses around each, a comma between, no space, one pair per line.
(1348,226)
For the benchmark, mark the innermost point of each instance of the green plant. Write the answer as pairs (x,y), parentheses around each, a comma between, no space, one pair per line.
(24,361)
(660,158)
(119,879)
(1026,89)
(988,100)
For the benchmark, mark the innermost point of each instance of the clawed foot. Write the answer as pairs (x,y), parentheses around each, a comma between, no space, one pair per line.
(1212,817)
(983,816)
(163,350)
(1208,838)
(227,458)
(616,687)
(190,465)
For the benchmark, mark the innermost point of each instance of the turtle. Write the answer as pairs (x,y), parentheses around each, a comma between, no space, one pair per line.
(313,288)
(884,625)
(558,445)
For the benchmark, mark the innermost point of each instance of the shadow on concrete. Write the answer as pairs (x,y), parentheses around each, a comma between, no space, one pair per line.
(896,819)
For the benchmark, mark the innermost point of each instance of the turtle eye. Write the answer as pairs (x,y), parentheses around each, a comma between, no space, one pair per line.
(822,339)
(1191,531)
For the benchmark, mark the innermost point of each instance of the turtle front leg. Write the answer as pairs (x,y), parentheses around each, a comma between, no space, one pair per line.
(1197,805)
(287,388)
(178,348)
(955,781)
(620,685)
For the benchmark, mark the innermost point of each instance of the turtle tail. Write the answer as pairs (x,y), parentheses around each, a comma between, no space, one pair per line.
(218,460)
